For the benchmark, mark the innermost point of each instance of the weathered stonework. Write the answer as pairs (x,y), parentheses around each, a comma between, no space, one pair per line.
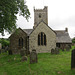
(33,57)
(64,45)
(50,38)
(14,41)
(40,14)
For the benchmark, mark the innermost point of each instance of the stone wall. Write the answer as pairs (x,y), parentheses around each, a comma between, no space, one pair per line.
(50,37)
(14,40)
(64,45)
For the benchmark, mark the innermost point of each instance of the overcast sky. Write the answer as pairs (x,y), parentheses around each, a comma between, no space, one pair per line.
(61,14)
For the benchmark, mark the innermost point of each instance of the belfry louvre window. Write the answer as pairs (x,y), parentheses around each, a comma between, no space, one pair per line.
(40,15)
(21,42)
(41,39)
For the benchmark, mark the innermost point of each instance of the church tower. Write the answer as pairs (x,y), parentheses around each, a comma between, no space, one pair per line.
(39,15)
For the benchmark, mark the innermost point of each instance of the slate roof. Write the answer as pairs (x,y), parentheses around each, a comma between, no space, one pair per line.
(61,35)
(28,31)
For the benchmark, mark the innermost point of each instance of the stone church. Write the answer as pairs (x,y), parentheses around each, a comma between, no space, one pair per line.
(41,38)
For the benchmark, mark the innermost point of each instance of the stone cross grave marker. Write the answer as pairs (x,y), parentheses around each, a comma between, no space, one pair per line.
(33,57)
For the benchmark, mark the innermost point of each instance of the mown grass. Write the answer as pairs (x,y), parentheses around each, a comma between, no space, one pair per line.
(48,64)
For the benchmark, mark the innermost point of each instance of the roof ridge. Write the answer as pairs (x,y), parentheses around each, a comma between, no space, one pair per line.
(59,30)
(25,29)
(28,31)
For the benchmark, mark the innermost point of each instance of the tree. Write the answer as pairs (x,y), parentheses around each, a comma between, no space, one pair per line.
(8,11)
(73,40)
(4,42)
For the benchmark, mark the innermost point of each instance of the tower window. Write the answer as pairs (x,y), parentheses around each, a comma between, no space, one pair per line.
(39,15)
(41,39)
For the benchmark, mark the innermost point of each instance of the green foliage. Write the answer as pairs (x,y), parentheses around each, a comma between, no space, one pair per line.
(73,40)
(8,11)
(4,42)
(47,65)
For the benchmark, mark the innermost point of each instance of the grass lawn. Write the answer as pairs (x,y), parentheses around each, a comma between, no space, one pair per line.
(47,65)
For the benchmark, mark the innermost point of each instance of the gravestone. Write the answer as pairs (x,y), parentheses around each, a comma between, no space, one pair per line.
(73,59)
(56,50)
(22,51)
(33,57)
(67,48)
(52,51)
(24,58)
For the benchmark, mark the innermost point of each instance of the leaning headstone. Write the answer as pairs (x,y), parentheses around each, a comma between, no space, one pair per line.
(73,59)
(22,52)
(67,48)
(33,57)
(52,51)
(24,58)
(56,50)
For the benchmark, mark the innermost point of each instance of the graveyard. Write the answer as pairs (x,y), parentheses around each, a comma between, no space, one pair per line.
(32,38)
(47,64)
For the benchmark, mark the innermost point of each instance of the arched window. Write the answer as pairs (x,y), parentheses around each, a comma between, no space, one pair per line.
(41,39)
(21,42)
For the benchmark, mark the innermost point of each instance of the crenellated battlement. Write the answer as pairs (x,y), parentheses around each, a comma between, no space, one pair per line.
(41,10)
(40,14)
